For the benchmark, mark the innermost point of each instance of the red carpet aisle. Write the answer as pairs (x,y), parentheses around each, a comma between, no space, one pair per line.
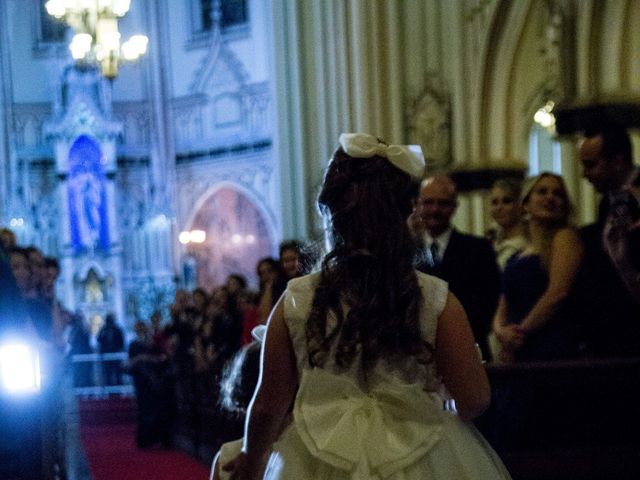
(107,429)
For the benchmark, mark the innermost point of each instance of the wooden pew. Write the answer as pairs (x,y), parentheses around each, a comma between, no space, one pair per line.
(566,420)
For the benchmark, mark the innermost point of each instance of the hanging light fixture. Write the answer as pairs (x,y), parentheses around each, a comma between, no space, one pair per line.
(97,39)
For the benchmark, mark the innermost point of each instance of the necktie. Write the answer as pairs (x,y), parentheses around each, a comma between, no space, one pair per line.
(618,239)
(434,256)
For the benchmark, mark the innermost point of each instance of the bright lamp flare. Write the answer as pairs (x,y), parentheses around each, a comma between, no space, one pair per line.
(135,47)
(55,8)
(80,45)
(119,7)
(184,237)
(19,368)
(198,236)
(544,116)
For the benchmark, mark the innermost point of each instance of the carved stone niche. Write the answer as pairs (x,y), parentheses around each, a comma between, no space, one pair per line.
(93,290)
(430,126)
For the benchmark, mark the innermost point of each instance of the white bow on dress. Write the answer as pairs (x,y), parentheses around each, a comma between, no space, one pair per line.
(370,434)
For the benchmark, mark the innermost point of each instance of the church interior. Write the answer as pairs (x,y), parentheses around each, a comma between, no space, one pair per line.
(153,172)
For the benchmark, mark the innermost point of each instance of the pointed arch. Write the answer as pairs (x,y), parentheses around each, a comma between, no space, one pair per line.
(239,231)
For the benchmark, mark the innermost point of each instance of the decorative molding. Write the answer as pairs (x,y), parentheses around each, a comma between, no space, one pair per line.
(135,118)
(194,120)
(227,110)
(82,271)
(228,150)
(29,120)
(429,121)
(83,119)
(188,102)
(30,131)
(218,52)
(85,108)
(251,174)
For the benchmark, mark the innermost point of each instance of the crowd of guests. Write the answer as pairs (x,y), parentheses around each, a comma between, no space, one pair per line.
(538,288)
(27,292)
(188,353)
(535,288)
(28,305)
(206,327)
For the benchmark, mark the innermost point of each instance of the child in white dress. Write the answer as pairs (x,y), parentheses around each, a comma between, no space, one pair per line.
(360,350)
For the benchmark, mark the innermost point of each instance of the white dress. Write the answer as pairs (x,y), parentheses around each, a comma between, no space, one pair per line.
(394,428)
(228,451)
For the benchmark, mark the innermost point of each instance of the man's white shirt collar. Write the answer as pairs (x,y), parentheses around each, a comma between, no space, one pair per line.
(442,241)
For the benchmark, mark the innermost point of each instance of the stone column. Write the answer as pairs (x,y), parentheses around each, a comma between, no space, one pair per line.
(337,68)
(163,158)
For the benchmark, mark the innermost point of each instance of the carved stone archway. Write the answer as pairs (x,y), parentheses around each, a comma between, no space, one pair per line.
(237,236)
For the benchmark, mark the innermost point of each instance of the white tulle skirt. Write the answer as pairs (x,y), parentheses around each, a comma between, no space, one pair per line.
(398,432)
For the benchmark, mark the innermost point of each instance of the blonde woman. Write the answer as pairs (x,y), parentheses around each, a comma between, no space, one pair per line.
(504,206)
(529,322)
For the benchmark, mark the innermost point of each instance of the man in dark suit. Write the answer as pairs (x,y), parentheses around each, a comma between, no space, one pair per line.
(609,282)
(466,262)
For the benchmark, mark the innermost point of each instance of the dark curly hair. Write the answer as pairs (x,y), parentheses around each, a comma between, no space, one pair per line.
(370,268)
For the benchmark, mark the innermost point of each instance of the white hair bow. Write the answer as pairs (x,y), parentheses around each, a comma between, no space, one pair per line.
(408,158)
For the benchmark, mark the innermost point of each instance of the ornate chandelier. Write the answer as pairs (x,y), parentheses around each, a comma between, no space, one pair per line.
(97,39)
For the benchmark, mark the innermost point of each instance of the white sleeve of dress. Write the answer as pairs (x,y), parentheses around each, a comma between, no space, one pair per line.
(434,298)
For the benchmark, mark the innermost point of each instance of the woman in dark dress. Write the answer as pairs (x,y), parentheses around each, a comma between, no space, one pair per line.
(530,323)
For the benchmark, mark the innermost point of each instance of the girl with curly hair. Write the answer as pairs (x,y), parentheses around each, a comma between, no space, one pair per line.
(363,351)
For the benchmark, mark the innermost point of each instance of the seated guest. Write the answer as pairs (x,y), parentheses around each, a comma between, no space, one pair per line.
(199,299)
(466,262)
(266,269)
(291,259)
(20,268)
(529,322)
(236,283)
(504,206)
(248,307)
(290,265)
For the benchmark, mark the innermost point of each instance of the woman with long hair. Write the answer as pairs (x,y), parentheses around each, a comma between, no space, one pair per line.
(529,322)
(359,349)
